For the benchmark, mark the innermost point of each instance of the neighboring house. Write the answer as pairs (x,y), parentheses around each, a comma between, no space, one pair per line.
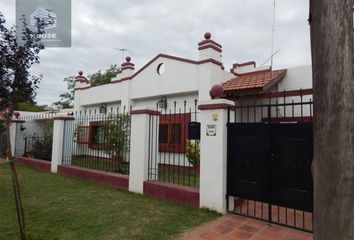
(35,126)
(176,80)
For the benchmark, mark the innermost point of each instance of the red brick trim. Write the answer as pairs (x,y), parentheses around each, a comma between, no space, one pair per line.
(63,118)
(210,60)
(244,64)
(209,41)
(121,80)
(128,67)
(210,46)
(83,88)
(172,192)
(177,59)
(115,180)
(145,111)
(82,81)
(35,163)
(214,106)
(127,64)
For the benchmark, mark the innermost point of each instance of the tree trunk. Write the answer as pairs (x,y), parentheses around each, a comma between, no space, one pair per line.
(333,81)
(16,185)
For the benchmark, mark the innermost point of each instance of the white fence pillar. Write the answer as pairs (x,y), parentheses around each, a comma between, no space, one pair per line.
(213,152)
(13,134)
(142,146)
(58,136)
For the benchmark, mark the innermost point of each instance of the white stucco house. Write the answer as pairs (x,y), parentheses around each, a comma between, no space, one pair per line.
(179,79)
(182,84)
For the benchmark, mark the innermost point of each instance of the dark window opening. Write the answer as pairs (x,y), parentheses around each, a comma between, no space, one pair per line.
(173,131)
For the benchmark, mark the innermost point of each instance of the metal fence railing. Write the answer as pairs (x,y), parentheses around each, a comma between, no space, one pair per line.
(38,147)
(174,154)
(269,158)
(98,141)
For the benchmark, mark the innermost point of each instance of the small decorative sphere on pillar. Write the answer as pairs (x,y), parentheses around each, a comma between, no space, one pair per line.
(17,115)
(80,73)
(207,35)
(128,59)
(216,91)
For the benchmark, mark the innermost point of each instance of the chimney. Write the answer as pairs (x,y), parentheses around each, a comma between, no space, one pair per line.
(81,82)
(239,69)
(209,49)
(126,70)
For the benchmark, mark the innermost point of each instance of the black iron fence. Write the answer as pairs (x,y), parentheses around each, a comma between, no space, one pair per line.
(174,153)
(270,150)
(286,106)
(38,147)
(98,141)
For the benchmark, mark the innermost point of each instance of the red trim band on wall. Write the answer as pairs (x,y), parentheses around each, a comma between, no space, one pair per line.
(214,106)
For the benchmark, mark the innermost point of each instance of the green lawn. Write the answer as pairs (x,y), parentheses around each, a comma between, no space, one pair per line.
(58,207)
(100,164)
(178,175)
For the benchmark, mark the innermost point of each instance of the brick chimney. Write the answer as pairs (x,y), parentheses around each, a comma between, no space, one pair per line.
(209,49)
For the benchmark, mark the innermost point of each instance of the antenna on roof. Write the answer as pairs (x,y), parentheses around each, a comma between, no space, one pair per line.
(271,57)
(122,50)
(273,29)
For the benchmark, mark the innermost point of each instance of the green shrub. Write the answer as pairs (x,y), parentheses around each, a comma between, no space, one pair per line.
(193,152)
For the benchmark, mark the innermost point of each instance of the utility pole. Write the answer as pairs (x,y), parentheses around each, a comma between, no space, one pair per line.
(333,85)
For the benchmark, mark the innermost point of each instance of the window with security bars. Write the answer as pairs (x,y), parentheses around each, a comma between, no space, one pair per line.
(96,138)
(83,134)
(173,131)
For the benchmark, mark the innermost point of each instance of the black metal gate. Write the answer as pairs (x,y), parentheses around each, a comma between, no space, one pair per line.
(269,162)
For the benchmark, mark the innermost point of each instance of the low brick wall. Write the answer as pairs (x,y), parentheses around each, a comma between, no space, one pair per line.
(35,163)
(172,192)
(112,179)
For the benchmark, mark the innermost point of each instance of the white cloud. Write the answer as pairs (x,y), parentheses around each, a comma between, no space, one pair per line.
(147,28)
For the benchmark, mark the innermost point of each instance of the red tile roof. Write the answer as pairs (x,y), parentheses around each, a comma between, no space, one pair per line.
(260,80)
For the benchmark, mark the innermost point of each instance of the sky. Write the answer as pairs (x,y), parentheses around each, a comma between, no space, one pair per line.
(174,27)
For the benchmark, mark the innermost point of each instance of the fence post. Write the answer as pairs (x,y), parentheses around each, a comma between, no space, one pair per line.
(141,145)
(213,154)
(14,134)
(58,136)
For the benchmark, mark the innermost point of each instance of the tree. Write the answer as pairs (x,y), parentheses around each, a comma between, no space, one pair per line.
(67,99)
(17,84)
(30,107)
(333,81)
(96,79)
(100,78)
(115,132)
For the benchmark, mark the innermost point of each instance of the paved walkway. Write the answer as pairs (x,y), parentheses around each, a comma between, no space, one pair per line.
(234,227)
